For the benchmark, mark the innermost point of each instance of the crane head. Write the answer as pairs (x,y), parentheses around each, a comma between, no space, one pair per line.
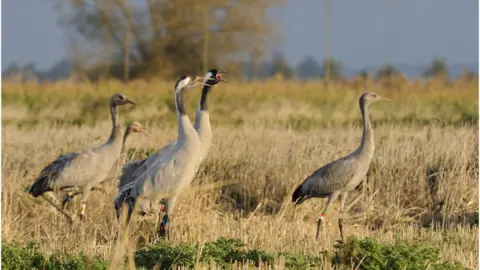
(120,99)
(370,97)
(187,82)
(214,76)
(136,127)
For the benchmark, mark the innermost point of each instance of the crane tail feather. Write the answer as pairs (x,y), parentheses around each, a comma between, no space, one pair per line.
(127,174)
(298,195)
(40,186)
(124,197)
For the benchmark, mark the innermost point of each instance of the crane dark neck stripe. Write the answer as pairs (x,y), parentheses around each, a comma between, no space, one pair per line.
(179,101)
(125,136)
(203,99)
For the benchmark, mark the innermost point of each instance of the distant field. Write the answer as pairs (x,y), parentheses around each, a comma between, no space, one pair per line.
(287,104)
(267,138)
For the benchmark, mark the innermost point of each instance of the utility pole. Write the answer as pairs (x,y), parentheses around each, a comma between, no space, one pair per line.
(389,29)
(205,38)
(126,56)
(327,52)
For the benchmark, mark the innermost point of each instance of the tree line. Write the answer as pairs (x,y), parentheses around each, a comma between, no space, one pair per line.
(130,39)
(332,69)
(160,38)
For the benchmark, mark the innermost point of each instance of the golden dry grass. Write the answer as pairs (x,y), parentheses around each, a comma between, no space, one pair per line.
(266,155)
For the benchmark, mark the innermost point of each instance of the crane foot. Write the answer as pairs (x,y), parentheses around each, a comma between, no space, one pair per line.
(163,230)
(319,225)
(340,226)
(67,199)
(69,217)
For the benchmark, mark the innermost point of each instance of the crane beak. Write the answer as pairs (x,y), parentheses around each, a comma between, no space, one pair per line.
(387,99)
(128,101)
(199,81)
(220,78)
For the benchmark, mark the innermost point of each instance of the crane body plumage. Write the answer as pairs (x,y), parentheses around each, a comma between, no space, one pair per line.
(164,176)
(134,169)
(170,173)
(337,178)
(131,127)
(87,168)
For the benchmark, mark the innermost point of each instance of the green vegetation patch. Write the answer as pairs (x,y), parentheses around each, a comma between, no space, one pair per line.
(223,252)
(369,254)
(366,254)
(15,256)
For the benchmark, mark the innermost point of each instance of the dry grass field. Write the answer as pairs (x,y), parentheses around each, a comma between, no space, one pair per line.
(267,138)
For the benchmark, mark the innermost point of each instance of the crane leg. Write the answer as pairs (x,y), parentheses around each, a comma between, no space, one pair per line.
(163,230)
(129,212)
(164,223)
(131,203)
(343,198)
(83,204)
(69,197)
(58,208)
(330,199)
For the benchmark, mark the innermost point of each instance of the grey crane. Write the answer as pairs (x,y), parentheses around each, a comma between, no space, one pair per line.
(170,173)
(338,177)
(83,169)
(132,127)
(133,169)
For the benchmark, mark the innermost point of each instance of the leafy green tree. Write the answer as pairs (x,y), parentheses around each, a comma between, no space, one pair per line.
(438,69)
(388,72)
(279,65)
(364,74)
(167,38)
(309,68)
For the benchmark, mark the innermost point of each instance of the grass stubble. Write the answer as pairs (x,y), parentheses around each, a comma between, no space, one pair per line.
(263,150)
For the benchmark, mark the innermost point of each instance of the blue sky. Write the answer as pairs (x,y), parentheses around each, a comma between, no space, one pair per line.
(364,33)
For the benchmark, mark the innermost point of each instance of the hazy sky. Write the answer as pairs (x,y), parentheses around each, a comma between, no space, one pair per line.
(364,33)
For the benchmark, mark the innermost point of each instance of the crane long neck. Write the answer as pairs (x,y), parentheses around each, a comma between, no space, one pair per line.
(179,102)
(202,110)
(202,123)
(367,144)
(182,117)
(203,106)
(125,136)
(115,134)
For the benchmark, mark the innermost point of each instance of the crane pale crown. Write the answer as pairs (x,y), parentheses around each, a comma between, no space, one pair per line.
(371,97)
(120,99)
(214,76)
(187,81)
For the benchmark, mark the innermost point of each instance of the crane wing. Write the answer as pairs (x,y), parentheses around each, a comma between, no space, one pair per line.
(128,170)
(134,174)
(147,179)
(332,177)
(143,165)
(86,166)
(49,175)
